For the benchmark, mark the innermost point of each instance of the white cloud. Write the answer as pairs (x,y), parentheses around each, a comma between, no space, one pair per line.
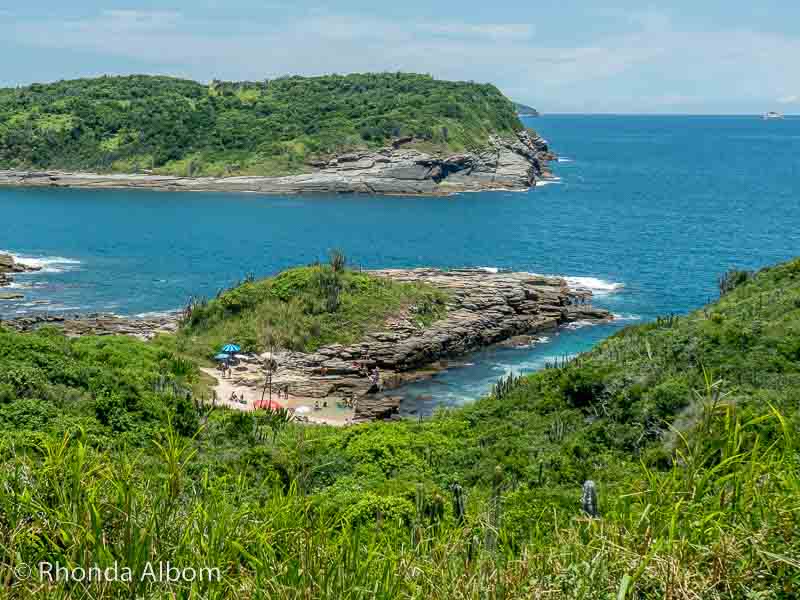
(789,100)
(137,19)
(494,31)
(654,66)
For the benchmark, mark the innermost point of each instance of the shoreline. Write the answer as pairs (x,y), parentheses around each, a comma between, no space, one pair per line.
(486,307)
(507,165)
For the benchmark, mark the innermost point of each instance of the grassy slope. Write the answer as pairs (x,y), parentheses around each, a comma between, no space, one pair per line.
(292,310)
(173,126)
(709,512)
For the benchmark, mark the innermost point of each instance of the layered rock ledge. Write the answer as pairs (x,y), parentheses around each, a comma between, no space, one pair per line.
(484,308)
(505,164)
(97,324)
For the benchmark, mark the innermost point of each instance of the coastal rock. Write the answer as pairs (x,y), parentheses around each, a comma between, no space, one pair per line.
(377,407)
(97,324)
(483,308)
(505,164)
(9,266)
(11,296)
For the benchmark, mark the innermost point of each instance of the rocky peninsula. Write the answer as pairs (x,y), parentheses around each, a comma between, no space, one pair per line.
(484,308)
(398,169)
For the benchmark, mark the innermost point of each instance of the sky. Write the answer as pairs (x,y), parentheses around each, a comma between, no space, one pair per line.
(682,56)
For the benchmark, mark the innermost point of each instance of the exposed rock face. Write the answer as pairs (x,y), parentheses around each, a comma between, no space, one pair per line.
(485,308)
(505,164)
(381,407)
(8,266)
(97,324)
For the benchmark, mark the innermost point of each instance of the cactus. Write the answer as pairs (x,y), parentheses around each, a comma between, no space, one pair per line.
(459,509)
(589,499)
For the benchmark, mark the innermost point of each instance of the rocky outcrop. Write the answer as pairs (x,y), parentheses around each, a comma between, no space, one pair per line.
(9,266)
(97,324)
(379,407)
(397,169)
(484,308)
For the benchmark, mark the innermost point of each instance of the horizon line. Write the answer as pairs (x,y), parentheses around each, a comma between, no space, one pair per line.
(650,114)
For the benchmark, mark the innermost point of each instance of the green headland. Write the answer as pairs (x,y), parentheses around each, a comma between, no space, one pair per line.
(172,126)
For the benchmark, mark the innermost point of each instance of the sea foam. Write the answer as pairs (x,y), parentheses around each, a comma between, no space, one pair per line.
(595,285)
(47,264)
(622,317)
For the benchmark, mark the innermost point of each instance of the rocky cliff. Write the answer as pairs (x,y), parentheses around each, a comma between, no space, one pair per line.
(398,169)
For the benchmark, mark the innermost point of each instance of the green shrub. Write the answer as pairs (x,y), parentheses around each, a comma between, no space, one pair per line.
(370,509)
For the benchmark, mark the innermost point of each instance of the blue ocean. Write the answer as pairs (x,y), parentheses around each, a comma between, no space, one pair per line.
(648,211)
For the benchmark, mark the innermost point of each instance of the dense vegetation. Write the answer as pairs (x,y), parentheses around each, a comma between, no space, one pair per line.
(174,126)
(303,309)
(689,427)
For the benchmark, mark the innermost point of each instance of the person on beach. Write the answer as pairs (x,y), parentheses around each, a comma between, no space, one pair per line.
(376,379)
(234,398)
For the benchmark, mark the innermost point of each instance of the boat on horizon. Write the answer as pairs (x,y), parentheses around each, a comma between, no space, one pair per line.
(771,115)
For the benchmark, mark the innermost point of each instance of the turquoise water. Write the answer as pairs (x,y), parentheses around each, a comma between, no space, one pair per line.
(659,205)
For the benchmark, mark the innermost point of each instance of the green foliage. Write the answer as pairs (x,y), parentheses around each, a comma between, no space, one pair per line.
(111,385)
(305,308)
(731,279)
(690,433)
(179,127)
(369,508)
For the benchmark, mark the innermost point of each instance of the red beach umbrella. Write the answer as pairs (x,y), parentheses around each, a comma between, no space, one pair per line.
(267,405)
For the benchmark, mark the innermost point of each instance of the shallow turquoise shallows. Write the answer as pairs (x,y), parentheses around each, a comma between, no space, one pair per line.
(659,205)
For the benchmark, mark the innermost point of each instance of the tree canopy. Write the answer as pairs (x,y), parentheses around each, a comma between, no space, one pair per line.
(174,126)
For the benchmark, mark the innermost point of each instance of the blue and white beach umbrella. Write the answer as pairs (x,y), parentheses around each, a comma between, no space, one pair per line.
(231,348)
(222,356)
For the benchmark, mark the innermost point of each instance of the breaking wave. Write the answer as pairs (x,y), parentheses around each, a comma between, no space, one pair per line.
(47,264)
(595,285)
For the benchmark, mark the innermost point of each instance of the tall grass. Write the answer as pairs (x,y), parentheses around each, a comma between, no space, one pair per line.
(721,523)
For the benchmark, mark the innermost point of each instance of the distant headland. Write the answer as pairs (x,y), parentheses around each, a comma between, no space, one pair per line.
(523,110)
(383,133)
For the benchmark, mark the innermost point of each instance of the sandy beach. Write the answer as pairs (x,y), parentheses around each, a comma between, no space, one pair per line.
(226,386)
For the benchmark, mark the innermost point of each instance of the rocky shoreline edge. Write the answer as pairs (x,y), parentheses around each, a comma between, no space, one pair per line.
(506,164)
(484,308)
(8,268)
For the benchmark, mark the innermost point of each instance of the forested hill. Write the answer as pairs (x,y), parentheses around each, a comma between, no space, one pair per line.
(174,126)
